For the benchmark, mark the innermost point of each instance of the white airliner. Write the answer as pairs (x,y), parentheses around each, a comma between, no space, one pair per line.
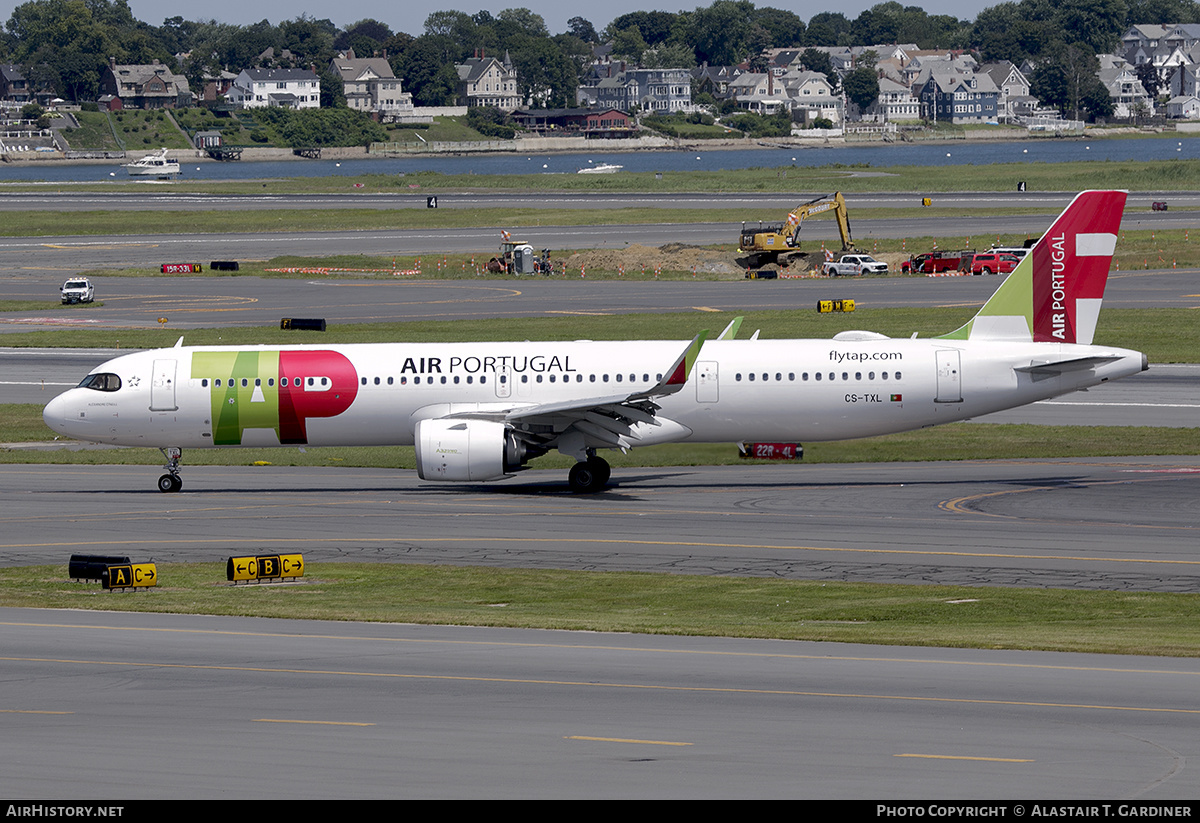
(481,411)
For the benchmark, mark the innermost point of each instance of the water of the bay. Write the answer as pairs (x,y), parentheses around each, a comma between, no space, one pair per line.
(1047,150)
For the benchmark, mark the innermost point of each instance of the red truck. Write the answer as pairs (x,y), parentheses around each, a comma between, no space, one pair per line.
(932,262)
(993,263)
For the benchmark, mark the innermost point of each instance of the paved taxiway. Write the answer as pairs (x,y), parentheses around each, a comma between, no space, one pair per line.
(115,705)
(205,302)
(1094,524)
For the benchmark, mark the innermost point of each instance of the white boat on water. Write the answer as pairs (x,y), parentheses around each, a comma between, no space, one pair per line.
(153,165)
(603,168)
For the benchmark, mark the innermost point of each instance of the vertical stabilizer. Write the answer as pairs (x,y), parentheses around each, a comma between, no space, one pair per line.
(1054,294)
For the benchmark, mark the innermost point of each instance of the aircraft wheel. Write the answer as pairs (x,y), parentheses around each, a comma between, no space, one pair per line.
(169,483)
(584,479)
(601,469)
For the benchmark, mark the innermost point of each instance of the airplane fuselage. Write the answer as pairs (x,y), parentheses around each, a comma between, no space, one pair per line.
(374,394)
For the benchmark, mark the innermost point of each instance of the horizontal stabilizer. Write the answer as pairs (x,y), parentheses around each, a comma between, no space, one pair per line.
(1050,368)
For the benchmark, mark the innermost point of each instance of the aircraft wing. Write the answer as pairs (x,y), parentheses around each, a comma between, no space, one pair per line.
(607,420)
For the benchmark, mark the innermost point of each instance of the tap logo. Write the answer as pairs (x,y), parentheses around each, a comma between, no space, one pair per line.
(277,390)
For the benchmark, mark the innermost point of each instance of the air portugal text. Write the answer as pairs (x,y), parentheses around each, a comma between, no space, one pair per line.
(487,363)
(1058,286)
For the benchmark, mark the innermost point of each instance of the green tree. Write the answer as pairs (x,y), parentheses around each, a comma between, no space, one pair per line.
(628,44)
(524,21)
(1068,80)
(1161,12)
(668,56)
(720,34)
(544,73)
(786,28)
(427,69)
(828,29)
(653,26)
(583,29)
(862,86)
(73,39)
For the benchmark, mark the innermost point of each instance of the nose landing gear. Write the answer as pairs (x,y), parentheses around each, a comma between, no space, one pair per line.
(171,482)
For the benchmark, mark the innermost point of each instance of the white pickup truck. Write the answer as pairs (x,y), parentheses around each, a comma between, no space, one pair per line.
(77,290)
(855,264)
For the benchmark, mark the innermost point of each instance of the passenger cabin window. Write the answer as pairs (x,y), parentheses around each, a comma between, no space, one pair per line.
(101,382)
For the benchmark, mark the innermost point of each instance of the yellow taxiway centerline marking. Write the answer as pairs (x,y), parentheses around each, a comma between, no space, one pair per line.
(309,722)
(963,757)
(268,542)
(627,740)
(595,684)
(823,656)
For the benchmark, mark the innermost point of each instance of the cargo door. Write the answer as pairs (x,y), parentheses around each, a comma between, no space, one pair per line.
(162,386)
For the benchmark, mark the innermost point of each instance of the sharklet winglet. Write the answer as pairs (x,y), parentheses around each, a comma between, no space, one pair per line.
(682,368)
(731,330)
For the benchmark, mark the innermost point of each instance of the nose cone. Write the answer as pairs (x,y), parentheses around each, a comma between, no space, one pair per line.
(55,413)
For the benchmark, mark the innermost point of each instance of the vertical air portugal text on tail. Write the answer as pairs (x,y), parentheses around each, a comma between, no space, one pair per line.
(481,411)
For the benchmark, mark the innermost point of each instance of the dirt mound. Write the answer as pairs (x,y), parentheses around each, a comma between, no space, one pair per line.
(680,257)
(671,257)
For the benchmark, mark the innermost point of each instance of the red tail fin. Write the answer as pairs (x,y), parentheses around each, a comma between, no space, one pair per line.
(1070,267)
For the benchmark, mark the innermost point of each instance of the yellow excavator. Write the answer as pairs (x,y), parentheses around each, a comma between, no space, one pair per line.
(780,243)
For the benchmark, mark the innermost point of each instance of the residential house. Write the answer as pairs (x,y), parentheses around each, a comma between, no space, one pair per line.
(14,88)
(597,123)
(148,86)
(657,91)
(810,96)
(370,86)
(714,80)
(1184,107)
(275,88)
(1014,90)
(1184,80)
(955,97)
(486,81)
(895,102)
(1128,95)
(1139,42)
(215,86)
(760,92)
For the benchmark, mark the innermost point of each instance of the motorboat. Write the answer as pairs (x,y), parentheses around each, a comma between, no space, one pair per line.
(153,165)
(603,168)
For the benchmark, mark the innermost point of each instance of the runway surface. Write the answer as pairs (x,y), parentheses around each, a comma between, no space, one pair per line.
(112,705)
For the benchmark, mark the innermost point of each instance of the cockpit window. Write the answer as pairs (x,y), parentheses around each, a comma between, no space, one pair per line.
(101,382)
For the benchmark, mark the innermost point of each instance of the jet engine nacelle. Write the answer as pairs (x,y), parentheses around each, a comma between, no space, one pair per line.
(470,450)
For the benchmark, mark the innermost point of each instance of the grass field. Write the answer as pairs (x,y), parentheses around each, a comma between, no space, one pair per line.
(987,618)
(1169,335)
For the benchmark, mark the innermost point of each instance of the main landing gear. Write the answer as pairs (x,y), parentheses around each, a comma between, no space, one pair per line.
(170,482)
(588,476)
